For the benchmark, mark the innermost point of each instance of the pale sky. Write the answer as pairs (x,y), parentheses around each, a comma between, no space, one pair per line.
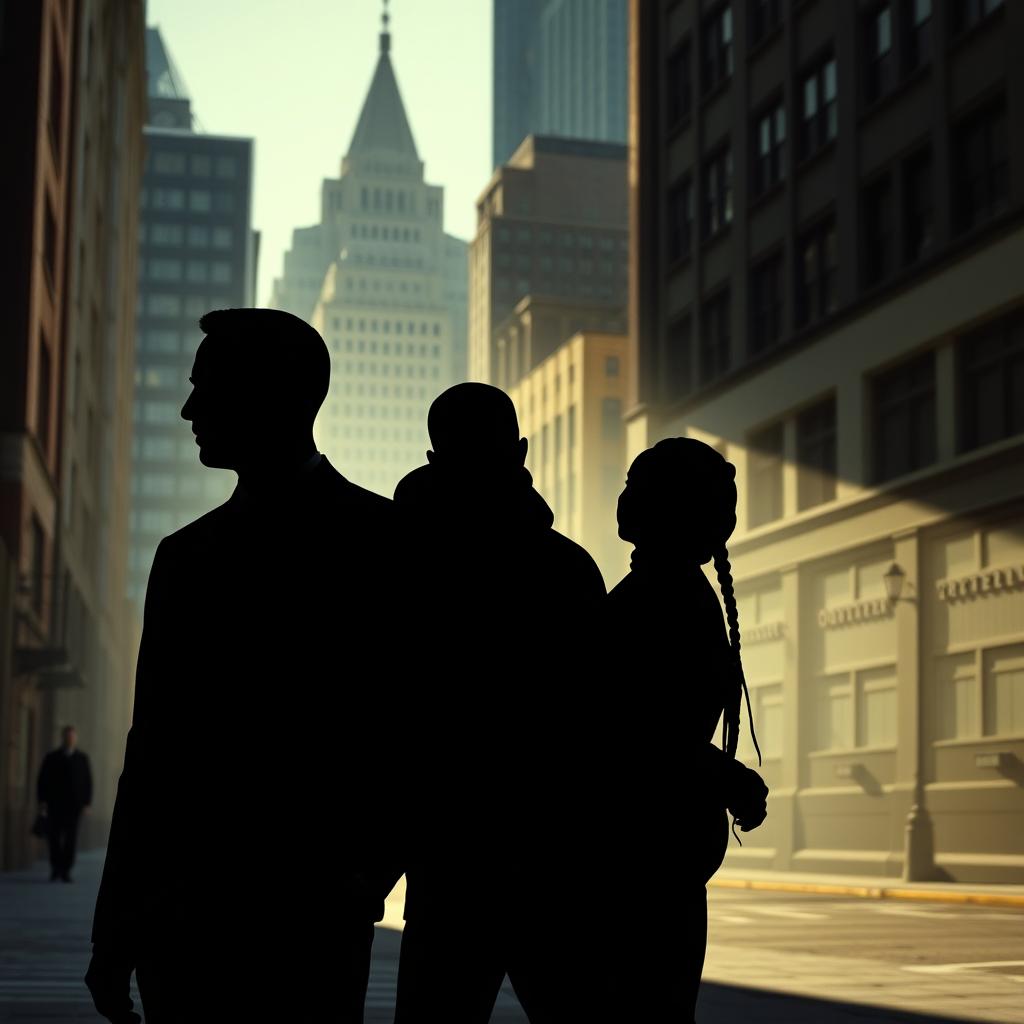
(293,75)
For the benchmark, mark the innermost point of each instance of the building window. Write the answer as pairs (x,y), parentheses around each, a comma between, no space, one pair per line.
(817,261)
(816,454)
(856,710)
(996,708)
(611,366)
(878,232)
(717,49)
(166,162)
(764,15)
(166,234)
(918,217)
(611,419)
(819,120)
(991,375)
(981,168)
(903,418)
(879,74)
(168,199)
(37,566)
(769,148)
(764,484)
(679,357)
(165,270)
(56,109)
(226,167)
(43,384)
(714,337)
(717,207)
(680,220)
(679,89)
(50,244)
(766,304)
(222,238)
(967,13)
(917,34)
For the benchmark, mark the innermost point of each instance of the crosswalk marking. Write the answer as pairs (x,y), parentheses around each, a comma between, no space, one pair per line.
(732,918)
(783,912)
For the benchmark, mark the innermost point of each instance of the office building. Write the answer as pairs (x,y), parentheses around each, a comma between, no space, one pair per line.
(196,253)
(827,231)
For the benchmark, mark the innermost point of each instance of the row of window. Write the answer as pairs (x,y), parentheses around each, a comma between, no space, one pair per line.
(384,233)
(168,485)
(194,236)
(387,348)
(565,264)
(902,416)
(898,229)
(386,327)
(199,165)
(387,369)
(375,285)
(195,200)
(548,238)
(161,304)
(359,388)
(389,200)
(350,431)
(901,27)
(193,271)
(506,288)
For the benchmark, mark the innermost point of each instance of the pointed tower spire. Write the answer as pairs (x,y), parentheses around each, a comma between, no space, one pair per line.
(385,35)
(383,126)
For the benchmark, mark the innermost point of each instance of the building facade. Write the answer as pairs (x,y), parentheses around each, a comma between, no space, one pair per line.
(68,273)
(386,287)
(196,253)
(826,203)
(570,407)
(559,69)
(551,227)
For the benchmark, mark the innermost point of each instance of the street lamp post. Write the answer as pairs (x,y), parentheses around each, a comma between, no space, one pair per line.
(919,836)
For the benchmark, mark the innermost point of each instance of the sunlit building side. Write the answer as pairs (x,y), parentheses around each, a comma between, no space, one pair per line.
(570,406)
(826,206)
(196,253)
(386,287)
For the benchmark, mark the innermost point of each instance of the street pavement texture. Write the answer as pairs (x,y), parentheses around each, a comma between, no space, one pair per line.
(774,958)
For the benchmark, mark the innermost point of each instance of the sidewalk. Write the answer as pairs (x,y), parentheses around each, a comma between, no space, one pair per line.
(871,887)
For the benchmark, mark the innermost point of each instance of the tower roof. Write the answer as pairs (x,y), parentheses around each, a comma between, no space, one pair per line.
(163,79)
(383,126)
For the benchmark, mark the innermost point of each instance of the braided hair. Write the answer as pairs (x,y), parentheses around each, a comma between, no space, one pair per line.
(701,470)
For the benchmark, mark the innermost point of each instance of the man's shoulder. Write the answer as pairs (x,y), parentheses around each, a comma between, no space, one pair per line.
(575,559)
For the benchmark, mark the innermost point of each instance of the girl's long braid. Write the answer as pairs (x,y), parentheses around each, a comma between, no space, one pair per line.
(738,684)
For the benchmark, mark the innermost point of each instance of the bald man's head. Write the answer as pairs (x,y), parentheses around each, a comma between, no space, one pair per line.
(475,426)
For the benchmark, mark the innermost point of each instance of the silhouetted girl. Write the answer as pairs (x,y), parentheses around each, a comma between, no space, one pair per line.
(665,787)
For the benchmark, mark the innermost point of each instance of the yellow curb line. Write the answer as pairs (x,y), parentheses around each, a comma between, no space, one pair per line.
(980,899)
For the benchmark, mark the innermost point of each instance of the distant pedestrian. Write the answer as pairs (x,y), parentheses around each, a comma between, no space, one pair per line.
(64,791)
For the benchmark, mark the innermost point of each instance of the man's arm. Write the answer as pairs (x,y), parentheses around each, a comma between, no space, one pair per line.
(88,781)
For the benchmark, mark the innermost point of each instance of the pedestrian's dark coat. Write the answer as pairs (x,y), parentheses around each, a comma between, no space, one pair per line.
(65,781)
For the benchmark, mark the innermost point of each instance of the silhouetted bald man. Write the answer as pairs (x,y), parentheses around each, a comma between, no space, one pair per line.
(245,866)
(504,596)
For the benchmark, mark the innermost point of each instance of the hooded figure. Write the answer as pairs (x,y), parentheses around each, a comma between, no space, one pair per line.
(502,596)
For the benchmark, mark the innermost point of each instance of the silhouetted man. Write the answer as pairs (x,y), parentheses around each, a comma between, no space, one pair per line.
(503,596)
(64,791)
(245,866)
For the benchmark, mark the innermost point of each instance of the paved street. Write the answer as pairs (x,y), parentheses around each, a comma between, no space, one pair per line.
(774,958)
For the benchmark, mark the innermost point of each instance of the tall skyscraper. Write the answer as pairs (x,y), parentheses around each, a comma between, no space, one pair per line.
(828,230)
(385,286)
(559,69)
(196,254)
(550,254)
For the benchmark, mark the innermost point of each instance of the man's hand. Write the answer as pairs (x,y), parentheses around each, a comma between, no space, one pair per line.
(109,979)
(746,796)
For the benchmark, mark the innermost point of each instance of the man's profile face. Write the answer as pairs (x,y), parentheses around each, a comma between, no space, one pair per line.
(220,407)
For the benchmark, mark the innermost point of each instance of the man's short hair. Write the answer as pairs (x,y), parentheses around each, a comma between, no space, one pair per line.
(472,416)
(276,345)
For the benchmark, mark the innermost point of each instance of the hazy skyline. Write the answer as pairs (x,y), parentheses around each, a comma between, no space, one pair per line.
(293,75)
